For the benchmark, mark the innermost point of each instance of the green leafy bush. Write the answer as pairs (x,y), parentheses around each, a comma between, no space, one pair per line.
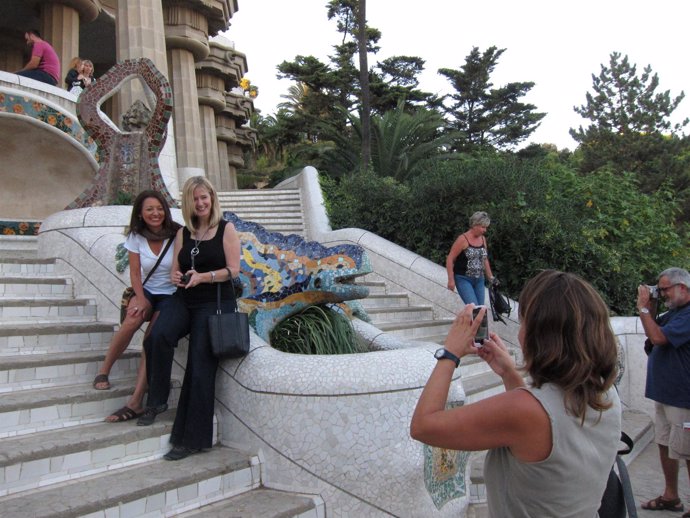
(544,215)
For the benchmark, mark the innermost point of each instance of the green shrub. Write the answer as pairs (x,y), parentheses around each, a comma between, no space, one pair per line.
(316,330)
(543,213)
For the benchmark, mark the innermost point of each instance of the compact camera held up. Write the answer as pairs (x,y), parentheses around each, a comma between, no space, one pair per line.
(653,291)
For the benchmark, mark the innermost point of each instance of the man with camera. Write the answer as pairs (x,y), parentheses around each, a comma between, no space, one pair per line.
(668,377)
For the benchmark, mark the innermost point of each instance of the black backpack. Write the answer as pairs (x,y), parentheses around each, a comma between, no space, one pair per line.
(617,500)
(500,305)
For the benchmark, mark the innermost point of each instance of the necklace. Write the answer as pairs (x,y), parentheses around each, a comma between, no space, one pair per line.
(195,250)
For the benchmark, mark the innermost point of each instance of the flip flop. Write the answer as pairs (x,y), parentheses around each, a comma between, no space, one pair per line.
(123,414)
(100,380)
(661,504)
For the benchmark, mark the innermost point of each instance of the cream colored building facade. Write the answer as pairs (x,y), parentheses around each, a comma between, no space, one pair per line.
(208,133)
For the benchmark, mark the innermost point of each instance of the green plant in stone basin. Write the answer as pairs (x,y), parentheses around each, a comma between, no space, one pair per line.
(316,330)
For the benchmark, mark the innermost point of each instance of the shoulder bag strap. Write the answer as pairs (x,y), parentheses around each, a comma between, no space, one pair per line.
(160,258)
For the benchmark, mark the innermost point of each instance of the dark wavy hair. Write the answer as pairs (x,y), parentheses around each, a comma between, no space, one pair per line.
(567,339)
(136,222)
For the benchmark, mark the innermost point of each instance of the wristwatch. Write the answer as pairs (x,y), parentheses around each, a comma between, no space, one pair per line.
(443,354)
(644,310)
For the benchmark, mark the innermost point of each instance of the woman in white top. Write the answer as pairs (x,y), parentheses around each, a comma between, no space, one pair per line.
(150,229)
(551,444)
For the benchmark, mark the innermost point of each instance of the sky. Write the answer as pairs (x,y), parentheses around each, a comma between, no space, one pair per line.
(557,45)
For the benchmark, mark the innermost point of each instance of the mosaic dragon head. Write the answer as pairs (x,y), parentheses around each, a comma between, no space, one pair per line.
(283,274)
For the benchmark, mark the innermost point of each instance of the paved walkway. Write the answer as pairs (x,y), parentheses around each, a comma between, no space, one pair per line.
(648,482)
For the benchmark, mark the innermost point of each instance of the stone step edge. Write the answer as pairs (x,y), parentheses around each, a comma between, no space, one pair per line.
(26,361)
(118,487)
(66,394)
(394,326)
(74,439)
(61,326)
(262,502)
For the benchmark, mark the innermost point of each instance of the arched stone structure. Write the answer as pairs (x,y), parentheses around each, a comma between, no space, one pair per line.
(129,160)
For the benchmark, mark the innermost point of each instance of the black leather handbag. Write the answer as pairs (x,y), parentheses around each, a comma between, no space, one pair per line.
(229,332)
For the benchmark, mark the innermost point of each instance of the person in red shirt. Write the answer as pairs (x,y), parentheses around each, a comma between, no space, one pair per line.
(44,64)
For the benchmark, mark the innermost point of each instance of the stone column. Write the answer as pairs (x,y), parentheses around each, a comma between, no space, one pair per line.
(225,184)
(60,28)
(208,138)
(186,37)
(141,34)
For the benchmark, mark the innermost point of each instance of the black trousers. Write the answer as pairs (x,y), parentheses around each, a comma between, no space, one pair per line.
(193,425)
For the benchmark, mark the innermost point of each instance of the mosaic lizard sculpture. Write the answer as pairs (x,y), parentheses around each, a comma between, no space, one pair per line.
(283,274)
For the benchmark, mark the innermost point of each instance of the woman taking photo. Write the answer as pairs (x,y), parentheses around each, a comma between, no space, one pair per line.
(468,261)
(207,251)
(151,228)
(552,443)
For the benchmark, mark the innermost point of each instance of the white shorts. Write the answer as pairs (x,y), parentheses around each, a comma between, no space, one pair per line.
(672,429)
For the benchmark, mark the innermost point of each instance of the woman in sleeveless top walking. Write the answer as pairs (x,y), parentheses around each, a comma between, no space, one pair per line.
(468,261)
(551,442)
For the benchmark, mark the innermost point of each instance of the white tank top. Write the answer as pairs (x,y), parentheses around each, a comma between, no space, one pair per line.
(571,480)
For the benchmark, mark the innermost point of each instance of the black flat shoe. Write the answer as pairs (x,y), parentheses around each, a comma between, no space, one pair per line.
(149,415)
(180,452)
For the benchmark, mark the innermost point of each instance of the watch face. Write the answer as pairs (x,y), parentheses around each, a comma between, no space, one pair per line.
(439,353)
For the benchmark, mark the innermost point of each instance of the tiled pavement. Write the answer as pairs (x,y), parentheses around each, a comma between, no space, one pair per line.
(648,482)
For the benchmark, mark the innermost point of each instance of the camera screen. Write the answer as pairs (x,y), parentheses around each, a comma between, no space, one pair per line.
(483,331)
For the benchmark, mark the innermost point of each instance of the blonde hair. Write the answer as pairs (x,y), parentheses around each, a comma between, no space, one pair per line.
(74,63)
(88,62)
(191,221)
(480,218)
(567,339)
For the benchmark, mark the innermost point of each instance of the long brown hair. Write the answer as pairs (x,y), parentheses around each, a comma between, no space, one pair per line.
(567,339)
(136,222)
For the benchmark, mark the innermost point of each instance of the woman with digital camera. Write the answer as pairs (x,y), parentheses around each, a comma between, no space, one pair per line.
(551,443)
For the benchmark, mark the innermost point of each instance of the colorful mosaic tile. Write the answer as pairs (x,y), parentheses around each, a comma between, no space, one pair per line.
(283,274)
(19,228)
(34,108)
(444,472)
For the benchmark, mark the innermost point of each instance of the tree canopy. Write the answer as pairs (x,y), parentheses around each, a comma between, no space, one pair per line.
(484,116)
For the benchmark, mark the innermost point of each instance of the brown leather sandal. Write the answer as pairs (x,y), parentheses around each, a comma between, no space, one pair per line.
(101,379)
(661,504)
(123,414)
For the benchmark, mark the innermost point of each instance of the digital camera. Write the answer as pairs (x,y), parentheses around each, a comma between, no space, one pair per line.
(653,291)
(185,278)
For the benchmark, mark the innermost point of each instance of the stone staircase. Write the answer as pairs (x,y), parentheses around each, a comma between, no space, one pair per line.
(278,210)
(391,311)
(57,456)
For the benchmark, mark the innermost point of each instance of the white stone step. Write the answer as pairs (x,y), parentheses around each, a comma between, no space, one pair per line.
(155,488)
(65,336)
(263,503)
(385,300)
(54,456)
(417,330)
(21,285)
(31,371)
(18,246)
(400,314)
(375,287)
(37,308)
(35,410)
(27,266)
